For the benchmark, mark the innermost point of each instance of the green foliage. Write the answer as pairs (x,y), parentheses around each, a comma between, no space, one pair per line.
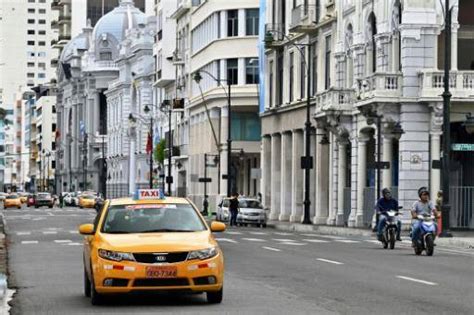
(159,153)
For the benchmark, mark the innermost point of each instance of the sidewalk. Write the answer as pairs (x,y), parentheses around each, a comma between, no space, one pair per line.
(5,294)
(463,240)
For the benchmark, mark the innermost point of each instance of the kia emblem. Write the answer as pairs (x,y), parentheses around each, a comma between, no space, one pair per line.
(160,258)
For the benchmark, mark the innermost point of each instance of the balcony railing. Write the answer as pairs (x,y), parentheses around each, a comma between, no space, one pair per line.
(304,18)
(382,85)
(335,99)
(461,84)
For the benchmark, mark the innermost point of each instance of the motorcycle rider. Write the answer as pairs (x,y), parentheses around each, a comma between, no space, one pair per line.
(384,204)
(422,206)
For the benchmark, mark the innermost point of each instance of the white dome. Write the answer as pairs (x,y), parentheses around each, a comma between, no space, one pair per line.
(120,19)
(78,42)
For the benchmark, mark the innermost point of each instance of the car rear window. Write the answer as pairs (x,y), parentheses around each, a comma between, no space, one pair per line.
(12,197)
(152,218)
(255,204)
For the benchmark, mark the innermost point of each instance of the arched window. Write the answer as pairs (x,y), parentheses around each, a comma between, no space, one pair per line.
(397,42)
(349,56)
(371,32)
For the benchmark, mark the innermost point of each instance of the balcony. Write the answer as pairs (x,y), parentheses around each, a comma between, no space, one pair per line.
(182,7)
(335,99)
(64,37)
(461,84)
(55,5)
(304,18)
(64,19)
(385,87)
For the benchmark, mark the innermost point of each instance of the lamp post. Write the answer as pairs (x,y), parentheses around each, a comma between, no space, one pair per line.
(84,188)
(446,207)
(307,160)
(197,78)
(167,108)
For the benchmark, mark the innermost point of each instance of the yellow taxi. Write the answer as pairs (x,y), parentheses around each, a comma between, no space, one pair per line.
(86,201)
(23,197)
(151,243)
(12,201)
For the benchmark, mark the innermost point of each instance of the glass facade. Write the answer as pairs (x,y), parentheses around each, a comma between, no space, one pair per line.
(246,127)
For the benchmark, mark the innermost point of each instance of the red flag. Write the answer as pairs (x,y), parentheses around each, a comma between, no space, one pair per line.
(149,144)
(58,134)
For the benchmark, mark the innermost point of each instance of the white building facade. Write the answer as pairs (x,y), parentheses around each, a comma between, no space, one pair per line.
(369,61)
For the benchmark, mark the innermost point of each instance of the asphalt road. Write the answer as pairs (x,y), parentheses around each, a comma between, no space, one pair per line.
(267,272)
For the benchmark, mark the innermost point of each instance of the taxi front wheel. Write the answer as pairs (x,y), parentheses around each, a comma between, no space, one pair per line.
(214,297)
(96,298)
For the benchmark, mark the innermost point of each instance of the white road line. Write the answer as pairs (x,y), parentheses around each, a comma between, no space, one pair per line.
(73,244)
(332,237)
(258,233)
(347,241)
(282,233)
(29,242)
(372,241)
(293,243)
(23,233)
(62,241)
(50,232)
(283,240)
(314,240)
(253,239)
(311,235)
(330,261)
(233,233)
(272,249)
(417,280)
(74,232)
(225,240)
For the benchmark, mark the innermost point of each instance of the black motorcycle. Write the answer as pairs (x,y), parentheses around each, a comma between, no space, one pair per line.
(390,230)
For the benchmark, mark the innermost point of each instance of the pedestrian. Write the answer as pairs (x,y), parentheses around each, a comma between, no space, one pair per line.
(234,208)
(205,206)
(439,208)
(61,200)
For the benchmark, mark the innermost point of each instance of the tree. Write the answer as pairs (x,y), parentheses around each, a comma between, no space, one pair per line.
(159,153)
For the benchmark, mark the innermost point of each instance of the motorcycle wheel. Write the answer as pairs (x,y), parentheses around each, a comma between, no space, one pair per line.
(391,238)
(429,243)
(385,242)
(417,249)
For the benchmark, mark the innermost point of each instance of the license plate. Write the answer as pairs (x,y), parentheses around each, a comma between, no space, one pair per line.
(161,272)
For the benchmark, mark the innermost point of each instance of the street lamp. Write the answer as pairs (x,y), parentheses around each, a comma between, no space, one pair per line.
(166,106)
(307,160)
(197,78)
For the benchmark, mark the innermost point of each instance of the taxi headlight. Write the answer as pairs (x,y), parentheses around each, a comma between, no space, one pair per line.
(203,253)
(115,256)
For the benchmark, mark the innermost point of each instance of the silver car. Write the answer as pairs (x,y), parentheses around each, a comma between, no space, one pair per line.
(251,212)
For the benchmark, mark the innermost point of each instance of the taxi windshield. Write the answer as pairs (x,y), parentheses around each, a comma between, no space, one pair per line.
(152,218)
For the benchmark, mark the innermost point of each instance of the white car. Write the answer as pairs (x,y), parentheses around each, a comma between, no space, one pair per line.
(251,212)
(71,199)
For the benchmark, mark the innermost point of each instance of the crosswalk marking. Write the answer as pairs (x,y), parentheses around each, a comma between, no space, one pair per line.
(72,244)
(314,240)
(50,232)
(225,240)
(29,242)
(283,233)
(258,233)
(23,233)
(253,239)
(283,240)
(272,249)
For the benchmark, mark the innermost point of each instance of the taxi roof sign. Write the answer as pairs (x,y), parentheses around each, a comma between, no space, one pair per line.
(149,194)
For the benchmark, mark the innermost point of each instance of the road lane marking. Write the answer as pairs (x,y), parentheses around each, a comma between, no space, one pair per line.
(332,237)
(253,239)
(330,261)
(62,241)
(347,241)
(221,239)
(372,241)
(293,243)
(314,240)
(417,280)
(73,244)
(50,232)
(74,232)
(272,249)
(258,233)
(29,242)
(310,235)
(233,233)
(23,233)
(283,233)
(283,240)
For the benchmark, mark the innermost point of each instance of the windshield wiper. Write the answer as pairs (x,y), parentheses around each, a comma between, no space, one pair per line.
(166,230)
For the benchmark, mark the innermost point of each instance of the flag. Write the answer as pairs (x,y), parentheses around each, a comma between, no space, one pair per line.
(149,144)
(58,134)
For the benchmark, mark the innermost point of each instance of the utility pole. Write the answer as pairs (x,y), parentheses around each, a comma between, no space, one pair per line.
(308,160)
(229,140)
(151,152)
(169,179)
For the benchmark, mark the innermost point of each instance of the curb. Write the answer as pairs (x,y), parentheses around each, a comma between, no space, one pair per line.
(460,242)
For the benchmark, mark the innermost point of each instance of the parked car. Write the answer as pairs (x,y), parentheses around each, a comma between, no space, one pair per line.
(70,199)
(87,201)
(12,201)
(30,201)
(251,212)
(44,199)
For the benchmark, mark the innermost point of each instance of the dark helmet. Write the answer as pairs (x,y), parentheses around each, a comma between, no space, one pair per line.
(422,191)
(386,191)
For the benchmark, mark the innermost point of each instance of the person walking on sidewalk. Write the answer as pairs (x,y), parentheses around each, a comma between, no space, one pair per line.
(234,208)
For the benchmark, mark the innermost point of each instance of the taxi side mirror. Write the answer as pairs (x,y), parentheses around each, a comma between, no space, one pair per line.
(86,229)
(217,226)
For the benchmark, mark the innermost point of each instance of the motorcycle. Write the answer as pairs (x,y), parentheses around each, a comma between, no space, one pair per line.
(427,235)
(390,230)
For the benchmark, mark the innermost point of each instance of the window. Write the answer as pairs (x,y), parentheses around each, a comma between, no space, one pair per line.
(232,71)
(327,70)
(31,21)
(31,64)
(42,43)
(302,73)
(245,126)
(30,53)
(279,78)
(42,1)
(31,32)
(31,1)
(251,22)
(41,54)
(232,23)
(41,21)
(30,43)
(291,76)
(251,71)
(41,75)
(105,55)
(42,32)
(270,84)
(30,75)
(42,65)
(30,84)
(31,10)
(42,11)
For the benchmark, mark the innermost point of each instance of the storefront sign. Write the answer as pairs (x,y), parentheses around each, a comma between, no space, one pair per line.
(462,147)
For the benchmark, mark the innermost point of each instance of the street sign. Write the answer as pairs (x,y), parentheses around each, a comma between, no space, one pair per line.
(462,147)
(205,179)
(169,179)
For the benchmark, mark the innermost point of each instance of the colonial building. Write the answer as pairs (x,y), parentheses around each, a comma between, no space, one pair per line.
(375,74)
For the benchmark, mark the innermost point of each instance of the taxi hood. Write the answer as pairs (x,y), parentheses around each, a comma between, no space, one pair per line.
(157,242)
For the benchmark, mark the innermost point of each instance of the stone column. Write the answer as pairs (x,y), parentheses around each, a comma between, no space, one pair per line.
(285,189)
(223,157)
(361,178)
(275,170)
(454,47)
(435,138)
(297,176)
(266,154)
(387,156)
(322,186)
(341,181)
